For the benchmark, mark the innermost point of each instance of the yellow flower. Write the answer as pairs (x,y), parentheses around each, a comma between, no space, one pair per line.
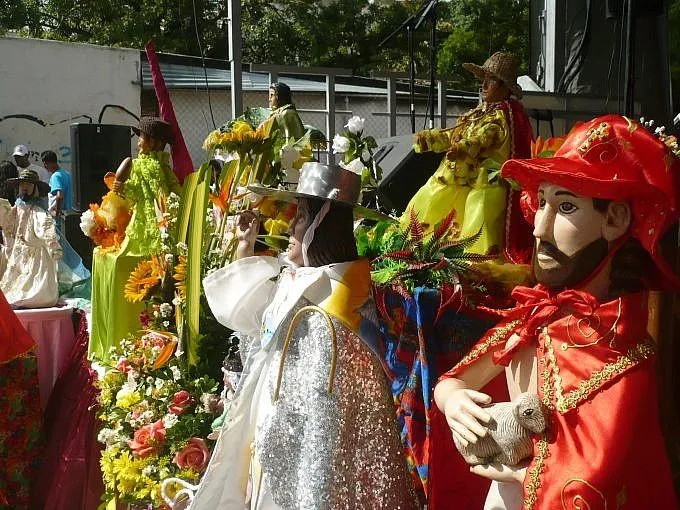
(212,140)
(276,227)
(125,400)
(143,278)
(180,277)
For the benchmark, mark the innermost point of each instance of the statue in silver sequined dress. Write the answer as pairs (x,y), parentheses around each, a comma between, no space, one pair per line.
(312,425)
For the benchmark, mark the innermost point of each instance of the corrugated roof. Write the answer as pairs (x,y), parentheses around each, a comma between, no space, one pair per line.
(178,76)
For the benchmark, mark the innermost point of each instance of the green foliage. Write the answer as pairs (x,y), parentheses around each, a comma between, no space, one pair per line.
(409,258)
(479,28)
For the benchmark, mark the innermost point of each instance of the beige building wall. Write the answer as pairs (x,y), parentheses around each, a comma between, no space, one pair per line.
(57,83)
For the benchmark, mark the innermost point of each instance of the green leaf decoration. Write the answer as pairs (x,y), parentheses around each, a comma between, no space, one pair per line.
(194,241)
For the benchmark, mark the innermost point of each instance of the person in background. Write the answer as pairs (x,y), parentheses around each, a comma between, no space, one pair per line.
(59,198)
(21,154)
(8,170)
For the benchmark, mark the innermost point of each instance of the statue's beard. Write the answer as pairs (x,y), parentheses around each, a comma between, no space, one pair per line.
(25,197)
(569,271)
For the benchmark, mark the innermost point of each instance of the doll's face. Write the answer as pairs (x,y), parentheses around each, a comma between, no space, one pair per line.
(146,144)
(26,189)
(273,99)
(297,230)
(494,90)
(572,235)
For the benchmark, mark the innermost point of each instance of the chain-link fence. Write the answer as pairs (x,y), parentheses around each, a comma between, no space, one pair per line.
(195,113)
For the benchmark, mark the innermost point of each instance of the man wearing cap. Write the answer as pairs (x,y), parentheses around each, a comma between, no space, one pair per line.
(579,338)
(141,181)
(30,279)
(21,155)
(466,180)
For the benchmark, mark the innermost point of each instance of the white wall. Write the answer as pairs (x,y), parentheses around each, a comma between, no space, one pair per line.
(56,83)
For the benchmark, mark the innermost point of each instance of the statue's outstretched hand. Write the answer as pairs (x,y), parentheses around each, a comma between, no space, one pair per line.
(246,234)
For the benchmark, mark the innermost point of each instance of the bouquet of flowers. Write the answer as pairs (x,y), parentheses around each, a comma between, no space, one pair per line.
(105,224)
(156,420)
(357,151)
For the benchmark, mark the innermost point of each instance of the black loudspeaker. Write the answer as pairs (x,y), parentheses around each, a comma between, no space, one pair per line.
(615,8)
(96,149)
(404,171)
(82,244)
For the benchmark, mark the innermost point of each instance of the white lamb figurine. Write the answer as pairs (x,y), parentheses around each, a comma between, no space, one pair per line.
(508,440)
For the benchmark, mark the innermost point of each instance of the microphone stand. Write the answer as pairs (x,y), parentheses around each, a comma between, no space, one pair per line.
(411,24)
(431,12)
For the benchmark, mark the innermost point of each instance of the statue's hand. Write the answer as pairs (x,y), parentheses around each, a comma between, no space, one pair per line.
(119,188)
(501,472)
(464,414)
(246,234)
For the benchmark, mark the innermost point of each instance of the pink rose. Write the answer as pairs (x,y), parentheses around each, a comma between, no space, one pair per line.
(180,401)
(147,439)
(195,455)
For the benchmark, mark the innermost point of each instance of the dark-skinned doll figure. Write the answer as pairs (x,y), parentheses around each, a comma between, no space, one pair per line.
(311,424)
(474,149)
(579,339)
(141,181)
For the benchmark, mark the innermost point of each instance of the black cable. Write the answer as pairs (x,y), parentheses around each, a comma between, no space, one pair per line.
(205,71)
(107,106)
(624,10)
(575,64)
(611,66)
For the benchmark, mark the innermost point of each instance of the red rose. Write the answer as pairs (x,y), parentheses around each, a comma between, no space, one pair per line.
(147,439)
(180,401)
(195,455)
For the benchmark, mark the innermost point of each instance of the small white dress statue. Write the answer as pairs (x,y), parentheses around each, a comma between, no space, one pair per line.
(31,246)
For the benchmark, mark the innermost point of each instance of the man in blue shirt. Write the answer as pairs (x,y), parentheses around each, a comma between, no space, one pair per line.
(60,199)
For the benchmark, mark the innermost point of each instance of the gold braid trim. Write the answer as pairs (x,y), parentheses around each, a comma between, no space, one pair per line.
(498,336)
(547,386)
(586,387)
(534,473)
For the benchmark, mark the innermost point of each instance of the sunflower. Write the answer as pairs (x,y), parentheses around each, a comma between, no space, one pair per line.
(142,279)
(180,277)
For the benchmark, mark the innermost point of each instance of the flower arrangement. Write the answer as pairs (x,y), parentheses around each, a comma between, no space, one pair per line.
(404,259)
(105,224)
(240,137)
(159,280)
(156,419)
(357,151)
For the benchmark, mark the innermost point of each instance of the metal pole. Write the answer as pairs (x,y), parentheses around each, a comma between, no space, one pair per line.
(392,106)
(441,102)
(234,13)
(433,59)
(411,78)
(330,115)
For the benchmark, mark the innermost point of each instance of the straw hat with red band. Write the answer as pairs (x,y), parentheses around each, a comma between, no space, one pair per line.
(615,158)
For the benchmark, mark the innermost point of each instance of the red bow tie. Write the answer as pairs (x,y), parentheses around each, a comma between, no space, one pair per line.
(536,307)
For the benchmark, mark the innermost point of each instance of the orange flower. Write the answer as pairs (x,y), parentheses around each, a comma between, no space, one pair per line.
(180,277)
(143,278)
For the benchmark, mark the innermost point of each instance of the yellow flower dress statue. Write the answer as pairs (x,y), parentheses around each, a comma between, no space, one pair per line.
(476,147)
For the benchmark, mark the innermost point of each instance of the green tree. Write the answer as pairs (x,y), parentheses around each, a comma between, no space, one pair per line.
(478,28)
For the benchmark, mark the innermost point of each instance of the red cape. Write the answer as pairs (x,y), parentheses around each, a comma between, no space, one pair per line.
(15,339)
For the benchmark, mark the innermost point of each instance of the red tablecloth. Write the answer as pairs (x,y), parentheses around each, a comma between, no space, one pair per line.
(52,330)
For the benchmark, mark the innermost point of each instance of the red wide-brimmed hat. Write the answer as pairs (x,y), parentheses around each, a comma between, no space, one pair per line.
(615,158)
